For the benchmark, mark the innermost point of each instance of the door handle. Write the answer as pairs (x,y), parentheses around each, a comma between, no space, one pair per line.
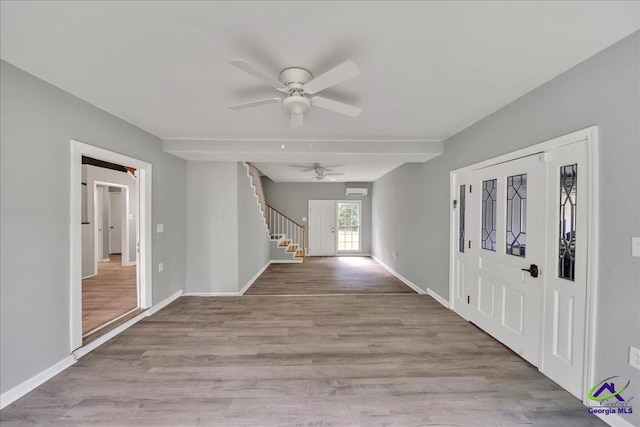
(533,270)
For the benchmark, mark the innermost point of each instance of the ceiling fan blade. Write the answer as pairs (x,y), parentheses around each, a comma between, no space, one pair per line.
(345,71)
(338,107)
(255,103)
(248,68)
(296,120)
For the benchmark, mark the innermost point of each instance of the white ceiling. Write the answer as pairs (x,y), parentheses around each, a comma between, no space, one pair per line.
(428,69)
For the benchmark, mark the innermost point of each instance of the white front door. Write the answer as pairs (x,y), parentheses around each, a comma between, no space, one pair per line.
(115,223)
(98,209)
(322,228)
(566,275)
(461,196)
(508,237)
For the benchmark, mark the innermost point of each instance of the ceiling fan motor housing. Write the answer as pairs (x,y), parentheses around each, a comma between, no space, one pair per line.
(295,78)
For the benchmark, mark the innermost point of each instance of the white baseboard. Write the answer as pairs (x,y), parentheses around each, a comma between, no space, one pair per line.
(165,302)
(399,276)
(614,420)
(91,275)
(106,260)
(339,254)
(437,297)
(212,294)
(285,261)
(11,395)
(254,278)
(132,263)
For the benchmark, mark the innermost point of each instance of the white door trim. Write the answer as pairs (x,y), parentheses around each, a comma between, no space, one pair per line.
(124,220)
(98,235)
(77,150)
(590,136)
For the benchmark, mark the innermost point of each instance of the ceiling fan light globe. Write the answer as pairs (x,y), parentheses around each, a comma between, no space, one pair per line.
(296,104)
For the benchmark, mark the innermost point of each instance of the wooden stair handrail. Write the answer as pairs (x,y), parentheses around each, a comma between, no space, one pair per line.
(271,207)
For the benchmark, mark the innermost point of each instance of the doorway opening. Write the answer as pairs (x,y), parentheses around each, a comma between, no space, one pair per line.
(324,217)
(110,292)
(110,241)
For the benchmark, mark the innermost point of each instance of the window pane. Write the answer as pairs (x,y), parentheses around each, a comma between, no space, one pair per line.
(516,214)
(568,209)
(461,221)
(348,226)
(489,193)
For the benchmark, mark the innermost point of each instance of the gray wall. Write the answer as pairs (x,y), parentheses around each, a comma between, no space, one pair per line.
(603,90)
(292,199)
(37,120)
(253,237)
(227,242)
(212,227)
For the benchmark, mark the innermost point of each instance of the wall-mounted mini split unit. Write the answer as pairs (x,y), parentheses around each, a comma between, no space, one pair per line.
(358,191)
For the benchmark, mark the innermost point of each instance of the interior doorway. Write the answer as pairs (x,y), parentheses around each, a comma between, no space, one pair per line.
(110,241)
(110,295)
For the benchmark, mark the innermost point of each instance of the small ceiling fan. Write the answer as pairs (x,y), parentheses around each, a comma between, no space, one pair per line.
(321,172)
(297,83)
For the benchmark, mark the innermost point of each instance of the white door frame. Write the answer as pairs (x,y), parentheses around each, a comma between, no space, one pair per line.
(98,202)
(590,136)
(124,220)
(77,150)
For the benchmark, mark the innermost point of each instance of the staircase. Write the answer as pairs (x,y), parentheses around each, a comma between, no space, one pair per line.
(289,235)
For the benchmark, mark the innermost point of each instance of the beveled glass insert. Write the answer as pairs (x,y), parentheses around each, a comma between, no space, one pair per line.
(516,215)
(489,197)
(568,212)
(463,194)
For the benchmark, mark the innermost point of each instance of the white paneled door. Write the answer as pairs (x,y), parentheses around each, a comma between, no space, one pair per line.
(322,228)
(566,279)
(519,256)
(506,290)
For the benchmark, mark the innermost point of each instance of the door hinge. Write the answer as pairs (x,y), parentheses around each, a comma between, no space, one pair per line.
(468,299)
(470,188)
(469,244)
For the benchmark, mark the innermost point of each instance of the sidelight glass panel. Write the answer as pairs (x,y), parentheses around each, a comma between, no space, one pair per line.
(568,209)
(348,226)
(516,215)
(461,220)
(489,194)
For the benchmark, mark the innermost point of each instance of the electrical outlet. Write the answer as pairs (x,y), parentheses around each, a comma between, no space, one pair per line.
(634,357)
(159,228)
(160,267)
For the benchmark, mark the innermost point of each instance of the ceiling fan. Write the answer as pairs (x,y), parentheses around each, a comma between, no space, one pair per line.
(297,83)
(321,172)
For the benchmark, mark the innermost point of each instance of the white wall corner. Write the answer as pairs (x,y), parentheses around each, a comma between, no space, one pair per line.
(437,297)
(400,277)
(11,395)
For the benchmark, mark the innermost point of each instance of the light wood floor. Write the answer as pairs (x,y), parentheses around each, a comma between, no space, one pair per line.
(323,360)
(327,275)
(109,294)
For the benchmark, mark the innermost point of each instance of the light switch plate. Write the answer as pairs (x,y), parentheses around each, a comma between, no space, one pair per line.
(635,246)
(634,357)
(304,219)
(159,228)
(160,267)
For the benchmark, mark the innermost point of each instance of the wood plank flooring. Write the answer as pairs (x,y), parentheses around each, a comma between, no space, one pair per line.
(346,360)
(109,294)
(327,275)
